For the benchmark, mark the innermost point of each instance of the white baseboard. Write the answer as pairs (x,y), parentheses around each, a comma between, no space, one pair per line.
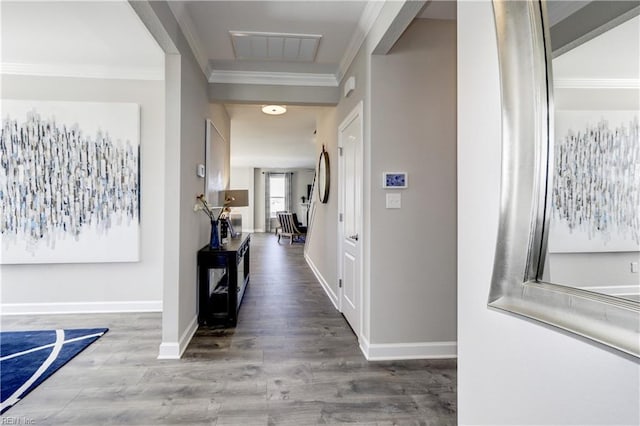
(174,350)
(80,307)
(400,351)
(258,230)
(364,346)
(169,351)
(332,296)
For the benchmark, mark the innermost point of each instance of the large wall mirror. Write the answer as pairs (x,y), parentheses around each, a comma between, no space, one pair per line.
(324,176)
(568,249)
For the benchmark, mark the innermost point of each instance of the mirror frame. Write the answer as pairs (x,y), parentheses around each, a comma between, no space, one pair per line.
(324,181)
(524,53)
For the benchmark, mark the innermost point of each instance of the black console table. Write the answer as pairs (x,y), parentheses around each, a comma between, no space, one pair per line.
(223,275)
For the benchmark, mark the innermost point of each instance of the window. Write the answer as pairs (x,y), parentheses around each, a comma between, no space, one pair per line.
(277,200)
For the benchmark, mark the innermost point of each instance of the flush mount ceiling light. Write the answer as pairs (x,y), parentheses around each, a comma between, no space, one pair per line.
(274,109)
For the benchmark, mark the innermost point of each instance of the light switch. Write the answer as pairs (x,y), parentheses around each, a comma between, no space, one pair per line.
(200,170)
(394,200)
(634,267)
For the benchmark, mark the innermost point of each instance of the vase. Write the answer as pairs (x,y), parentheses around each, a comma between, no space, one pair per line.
(214,240)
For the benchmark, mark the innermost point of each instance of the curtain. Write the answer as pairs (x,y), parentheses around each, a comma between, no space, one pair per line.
(287,191)
(267,204)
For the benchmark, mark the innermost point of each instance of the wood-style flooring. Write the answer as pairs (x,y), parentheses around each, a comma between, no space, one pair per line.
(292,360)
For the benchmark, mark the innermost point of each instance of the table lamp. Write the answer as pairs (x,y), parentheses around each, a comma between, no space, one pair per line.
(233,198)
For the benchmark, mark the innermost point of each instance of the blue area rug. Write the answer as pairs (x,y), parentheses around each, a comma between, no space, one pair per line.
(28,358)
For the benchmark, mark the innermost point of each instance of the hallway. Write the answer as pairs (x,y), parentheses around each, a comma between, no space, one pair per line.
(292,359)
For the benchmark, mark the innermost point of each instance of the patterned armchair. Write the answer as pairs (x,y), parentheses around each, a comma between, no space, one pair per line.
(290,227)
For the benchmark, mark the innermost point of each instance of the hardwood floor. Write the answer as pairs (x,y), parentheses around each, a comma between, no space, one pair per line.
(291,360)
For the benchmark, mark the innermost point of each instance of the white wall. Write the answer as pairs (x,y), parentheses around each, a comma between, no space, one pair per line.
(258,206)
(194,227)
(413,129)
(301,179)
(101,286)
(218,114)
(242,178)
(321,243)
(400,327)
(321,252)
(605,272)
(512,371)
(187,108)
(270,94)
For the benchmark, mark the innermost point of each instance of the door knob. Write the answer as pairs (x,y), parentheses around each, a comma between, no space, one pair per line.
(354,237)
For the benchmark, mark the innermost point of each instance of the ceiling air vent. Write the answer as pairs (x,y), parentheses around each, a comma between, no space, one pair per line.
(275,46)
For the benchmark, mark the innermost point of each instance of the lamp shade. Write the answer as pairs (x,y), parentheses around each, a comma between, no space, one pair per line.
(236,198)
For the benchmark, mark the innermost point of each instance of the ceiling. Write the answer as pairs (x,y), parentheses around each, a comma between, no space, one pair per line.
(335,21)
(561,9)
(341,25)
(614,54)
(77,39)
(439,9)
(602,73)
(259,140)
(264,141)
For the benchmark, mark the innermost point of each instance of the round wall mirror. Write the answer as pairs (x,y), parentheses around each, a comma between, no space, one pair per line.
(323,176)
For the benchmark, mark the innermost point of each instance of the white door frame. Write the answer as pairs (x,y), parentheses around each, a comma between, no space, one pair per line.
(357,111)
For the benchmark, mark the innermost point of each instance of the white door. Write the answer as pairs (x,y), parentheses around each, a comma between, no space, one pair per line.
(350,218)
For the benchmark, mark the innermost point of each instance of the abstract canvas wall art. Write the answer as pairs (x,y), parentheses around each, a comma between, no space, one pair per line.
(69,182)
(596,182)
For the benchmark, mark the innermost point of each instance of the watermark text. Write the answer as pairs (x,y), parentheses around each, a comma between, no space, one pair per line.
(16,421)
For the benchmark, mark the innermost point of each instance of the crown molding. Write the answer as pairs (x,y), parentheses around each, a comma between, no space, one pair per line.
(273,78)
(83,71)
(178,9)
(367,19)
(596,83)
